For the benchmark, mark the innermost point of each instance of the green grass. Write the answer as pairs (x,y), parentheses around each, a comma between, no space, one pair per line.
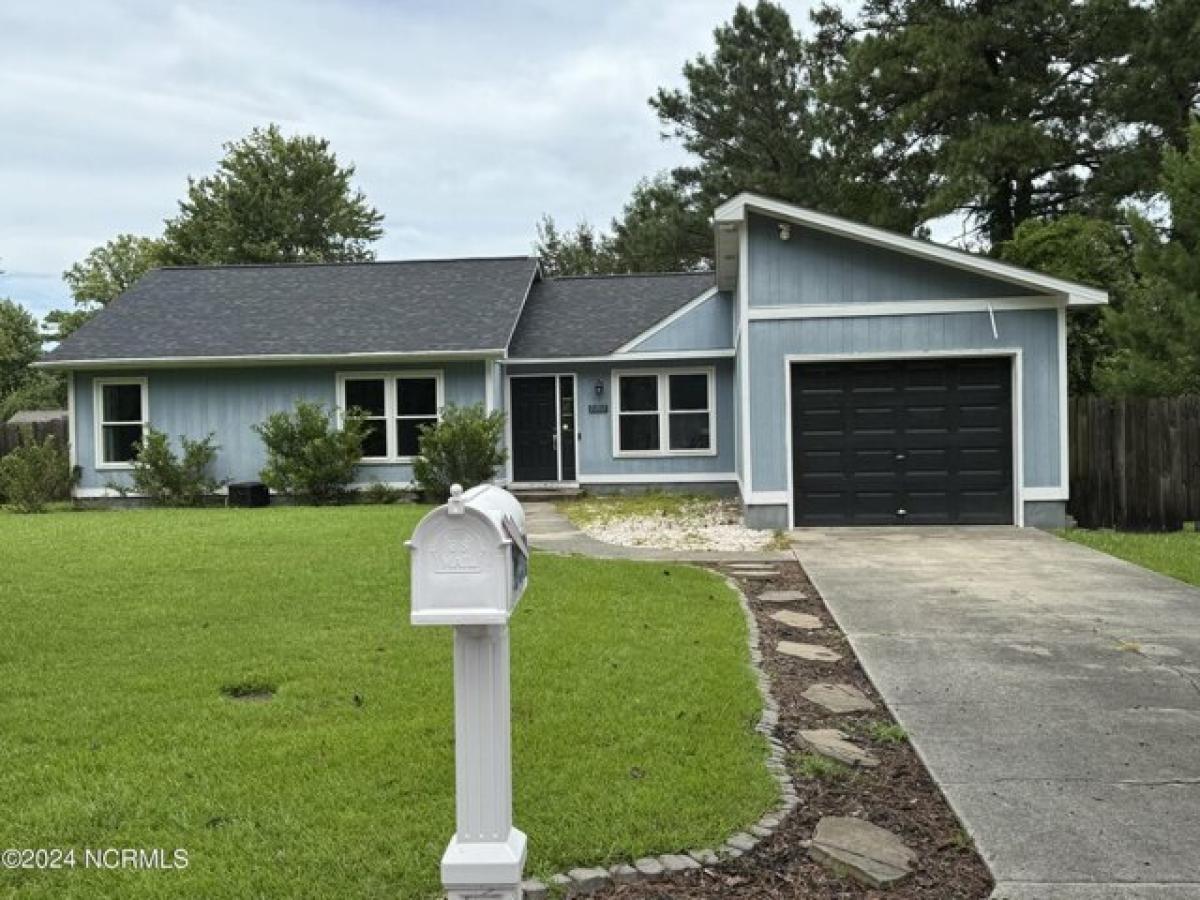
(1176,553)
(820,768)
(887,733)
(592,510)
(126,635)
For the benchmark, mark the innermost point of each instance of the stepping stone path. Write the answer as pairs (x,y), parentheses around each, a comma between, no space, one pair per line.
(797,620)
(870,854)
(836,745)
(838,698)
(781,596)
(812,652)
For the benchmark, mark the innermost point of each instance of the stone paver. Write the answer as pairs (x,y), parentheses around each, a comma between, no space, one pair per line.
(677,862)
(649,867)
(705,857)
(869,853)
(535,890)
(742,841)
(836,745)
(623,873)
(793,619)
(1072,763)
(812,652)
(838,698)
(781,596)
(588,881)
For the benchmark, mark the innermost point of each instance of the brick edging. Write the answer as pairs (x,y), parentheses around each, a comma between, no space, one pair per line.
(583,881)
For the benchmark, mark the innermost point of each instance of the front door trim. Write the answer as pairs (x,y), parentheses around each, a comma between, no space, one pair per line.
(1013,353)
(508,437)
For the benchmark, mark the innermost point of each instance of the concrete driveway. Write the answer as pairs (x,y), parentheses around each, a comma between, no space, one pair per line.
(1053,692)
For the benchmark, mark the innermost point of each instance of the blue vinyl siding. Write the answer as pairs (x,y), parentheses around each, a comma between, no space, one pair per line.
(707,327)
(594,441)
(229,401)
(1034,332)
(814,267)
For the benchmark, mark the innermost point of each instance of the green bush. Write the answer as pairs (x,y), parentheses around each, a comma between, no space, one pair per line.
(463,448)
(168,480)
(307,454)
(36,474)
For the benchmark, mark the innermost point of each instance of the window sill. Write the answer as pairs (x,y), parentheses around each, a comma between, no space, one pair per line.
(113,467)
(661,454)
(381,461)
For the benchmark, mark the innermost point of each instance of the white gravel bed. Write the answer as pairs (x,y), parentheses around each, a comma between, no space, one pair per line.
(705,525)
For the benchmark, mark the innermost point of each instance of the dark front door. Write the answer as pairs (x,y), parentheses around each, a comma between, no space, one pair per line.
(921,441)
(534,428)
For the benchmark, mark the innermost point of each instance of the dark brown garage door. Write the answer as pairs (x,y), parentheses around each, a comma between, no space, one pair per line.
(922,442)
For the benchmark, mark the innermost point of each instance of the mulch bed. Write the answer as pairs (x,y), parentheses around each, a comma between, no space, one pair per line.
(899,795)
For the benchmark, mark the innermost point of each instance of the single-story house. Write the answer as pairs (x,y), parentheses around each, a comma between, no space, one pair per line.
(826,372)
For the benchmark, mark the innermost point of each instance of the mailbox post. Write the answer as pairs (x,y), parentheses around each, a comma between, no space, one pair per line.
(470,564)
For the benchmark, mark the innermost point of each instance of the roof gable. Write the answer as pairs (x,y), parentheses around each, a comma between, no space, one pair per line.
(308,310)
(730,217)
(598,315)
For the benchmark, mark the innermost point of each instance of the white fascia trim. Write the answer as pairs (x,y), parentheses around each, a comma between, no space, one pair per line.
(661,478)
(736,209)
(743,302)
(267,359)
(902,308)
(1064,432)
(649,356)
(1020,493)
(1044,493)
(769,498)
(663,323)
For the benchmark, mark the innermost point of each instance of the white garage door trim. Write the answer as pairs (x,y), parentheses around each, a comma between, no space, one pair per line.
(1014,353)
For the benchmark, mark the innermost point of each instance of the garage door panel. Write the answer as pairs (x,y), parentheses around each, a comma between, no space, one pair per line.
(917,441)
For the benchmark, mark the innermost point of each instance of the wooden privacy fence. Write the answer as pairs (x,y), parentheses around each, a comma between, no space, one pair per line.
(1135,462)
(10,435)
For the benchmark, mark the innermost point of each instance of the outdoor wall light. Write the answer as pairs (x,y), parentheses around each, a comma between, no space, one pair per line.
(785,231)
(599,388)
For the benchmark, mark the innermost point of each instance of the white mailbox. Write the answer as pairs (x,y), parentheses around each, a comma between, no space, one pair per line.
(470,564)
(470,559)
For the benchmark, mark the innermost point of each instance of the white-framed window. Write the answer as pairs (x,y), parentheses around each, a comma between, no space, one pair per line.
(121,412)
(396,405)
(664,412)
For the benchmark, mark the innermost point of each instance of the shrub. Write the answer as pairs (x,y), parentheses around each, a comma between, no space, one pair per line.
(168,480)
(36,474)
(308,454)
(463,448)
(379,493)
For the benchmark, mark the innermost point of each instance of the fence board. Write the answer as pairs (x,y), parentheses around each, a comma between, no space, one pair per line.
(10,435)
(1135,462)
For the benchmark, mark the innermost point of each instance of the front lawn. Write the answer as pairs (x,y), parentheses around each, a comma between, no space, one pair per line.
(123,634)
(1176,554)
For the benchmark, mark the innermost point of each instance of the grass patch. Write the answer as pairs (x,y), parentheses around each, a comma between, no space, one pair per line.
(598,510)
(820,768)
(887,733)
(1176,554)
(633,706)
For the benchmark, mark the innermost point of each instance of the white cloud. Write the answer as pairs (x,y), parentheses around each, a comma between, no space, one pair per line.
(466,120)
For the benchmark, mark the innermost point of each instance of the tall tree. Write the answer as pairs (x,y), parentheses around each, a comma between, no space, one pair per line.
(663,228)
(1157,329)
(100,277)
(273,198)
(1091,251)
(579,251)
(20,344)
(987,108)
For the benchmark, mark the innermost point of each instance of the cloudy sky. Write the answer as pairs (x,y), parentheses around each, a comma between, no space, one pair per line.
(467,120)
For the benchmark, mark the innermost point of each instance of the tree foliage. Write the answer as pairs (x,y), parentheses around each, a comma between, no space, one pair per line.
(1156,330)
(104,274)
(273,198)
(20,344)
(38,390)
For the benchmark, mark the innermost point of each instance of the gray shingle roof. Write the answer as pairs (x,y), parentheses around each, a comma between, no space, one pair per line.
(593,316)
(309,309)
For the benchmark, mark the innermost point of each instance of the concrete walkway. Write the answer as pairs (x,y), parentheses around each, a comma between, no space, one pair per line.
(549,529)
(1053,692)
